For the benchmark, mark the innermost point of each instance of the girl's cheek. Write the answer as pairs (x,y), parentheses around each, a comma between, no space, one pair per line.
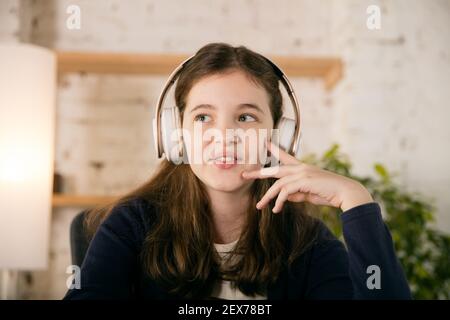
(256,152)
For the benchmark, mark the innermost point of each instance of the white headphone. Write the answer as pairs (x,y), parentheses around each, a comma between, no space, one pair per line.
(168,120)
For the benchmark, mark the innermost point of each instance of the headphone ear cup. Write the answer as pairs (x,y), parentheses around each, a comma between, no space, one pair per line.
(170,134)
(284,136)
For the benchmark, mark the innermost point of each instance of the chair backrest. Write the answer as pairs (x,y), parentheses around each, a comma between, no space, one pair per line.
(79,242)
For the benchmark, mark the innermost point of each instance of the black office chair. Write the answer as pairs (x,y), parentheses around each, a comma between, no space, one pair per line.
(79,242)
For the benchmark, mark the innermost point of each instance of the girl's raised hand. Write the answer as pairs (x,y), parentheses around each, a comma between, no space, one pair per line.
(298,182)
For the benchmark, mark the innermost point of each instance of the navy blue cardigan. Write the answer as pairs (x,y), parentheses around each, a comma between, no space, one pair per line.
(327,270)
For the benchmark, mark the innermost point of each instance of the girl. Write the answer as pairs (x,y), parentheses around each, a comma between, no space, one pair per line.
(215,230)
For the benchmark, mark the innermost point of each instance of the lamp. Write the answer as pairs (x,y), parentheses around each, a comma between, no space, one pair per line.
(27,126)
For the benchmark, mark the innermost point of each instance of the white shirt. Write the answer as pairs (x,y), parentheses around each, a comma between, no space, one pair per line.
(223,289)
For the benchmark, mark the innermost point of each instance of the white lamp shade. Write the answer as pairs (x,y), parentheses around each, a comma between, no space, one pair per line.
(27,131)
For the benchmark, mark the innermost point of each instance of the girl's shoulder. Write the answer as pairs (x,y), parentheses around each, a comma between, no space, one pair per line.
(131,219)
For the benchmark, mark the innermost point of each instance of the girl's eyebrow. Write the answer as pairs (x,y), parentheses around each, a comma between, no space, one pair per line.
(240,106)
(204,106)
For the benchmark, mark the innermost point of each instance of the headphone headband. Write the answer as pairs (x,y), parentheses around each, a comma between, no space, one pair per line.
(282,77)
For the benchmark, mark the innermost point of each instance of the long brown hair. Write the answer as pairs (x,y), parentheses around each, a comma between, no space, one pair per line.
(178,251)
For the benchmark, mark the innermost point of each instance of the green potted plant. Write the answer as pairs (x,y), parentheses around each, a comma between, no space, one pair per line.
(423,251)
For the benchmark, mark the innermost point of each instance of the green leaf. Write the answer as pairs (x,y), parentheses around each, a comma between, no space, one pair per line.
(381,171)
(423,251)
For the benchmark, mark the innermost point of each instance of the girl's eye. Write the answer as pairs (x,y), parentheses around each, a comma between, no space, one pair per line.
(247,118)
(202,118)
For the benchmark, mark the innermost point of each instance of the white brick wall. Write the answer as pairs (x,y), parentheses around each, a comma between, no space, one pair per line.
(10,20)
(391,106)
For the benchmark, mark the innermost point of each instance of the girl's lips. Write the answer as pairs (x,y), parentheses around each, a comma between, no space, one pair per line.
(225,163)
(222,165)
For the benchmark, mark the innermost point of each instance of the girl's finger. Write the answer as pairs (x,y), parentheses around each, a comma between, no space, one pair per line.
(271,172)
(295,188)
(282,197)
(298,197)
(286,190)
(309,197)
(283,156)
(275,189)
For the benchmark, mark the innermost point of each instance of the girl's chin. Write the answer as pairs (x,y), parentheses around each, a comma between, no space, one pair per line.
(226,187)
(231,167)
(226,184)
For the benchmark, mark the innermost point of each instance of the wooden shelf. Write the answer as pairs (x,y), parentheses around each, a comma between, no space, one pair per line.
(327,68)
(65,200)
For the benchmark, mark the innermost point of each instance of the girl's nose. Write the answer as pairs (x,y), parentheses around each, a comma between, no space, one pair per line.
(228,132)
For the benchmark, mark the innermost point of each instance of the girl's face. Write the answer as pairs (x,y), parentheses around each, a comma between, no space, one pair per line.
(226,121)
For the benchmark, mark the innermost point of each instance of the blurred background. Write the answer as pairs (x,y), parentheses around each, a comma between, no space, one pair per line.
(371,76)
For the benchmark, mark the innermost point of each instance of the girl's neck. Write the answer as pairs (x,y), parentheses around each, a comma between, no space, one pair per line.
(229,210)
